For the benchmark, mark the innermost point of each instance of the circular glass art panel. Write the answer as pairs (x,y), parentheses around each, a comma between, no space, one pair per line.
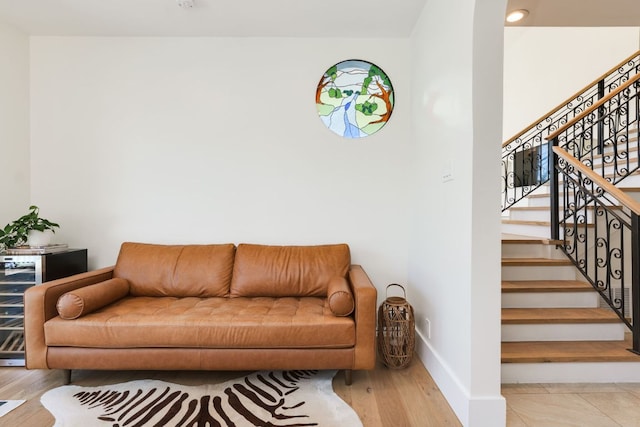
(354,98)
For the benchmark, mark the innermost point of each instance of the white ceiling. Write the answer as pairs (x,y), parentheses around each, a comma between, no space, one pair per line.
(294,18)
(300,18)
(578,13)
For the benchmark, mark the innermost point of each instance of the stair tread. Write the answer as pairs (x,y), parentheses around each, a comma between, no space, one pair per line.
(527,286)
(547,208)
(520,316)
(508,238)
(512,262)
(568,351)
(530,208)
(540,223)
(627,189)
(525,222)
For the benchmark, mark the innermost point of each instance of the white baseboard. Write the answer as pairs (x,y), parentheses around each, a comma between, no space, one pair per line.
(484,411)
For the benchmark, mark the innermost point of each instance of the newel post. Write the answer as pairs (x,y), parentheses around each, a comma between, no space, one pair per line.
(635,281)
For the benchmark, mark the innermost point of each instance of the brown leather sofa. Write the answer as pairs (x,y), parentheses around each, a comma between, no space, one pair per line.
(207,307)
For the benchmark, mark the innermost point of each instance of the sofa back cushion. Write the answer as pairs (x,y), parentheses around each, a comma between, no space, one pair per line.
(277,271)
(176,270)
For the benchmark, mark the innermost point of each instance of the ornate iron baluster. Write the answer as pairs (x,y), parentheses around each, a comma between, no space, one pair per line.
(599,251)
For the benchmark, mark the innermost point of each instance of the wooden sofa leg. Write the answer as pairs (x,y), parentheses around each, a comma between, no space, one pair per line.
(67,376)
(348,376)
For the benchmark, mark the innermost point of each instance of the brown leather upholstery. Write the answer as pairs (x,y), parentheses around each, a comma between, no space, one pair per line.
(176,270)
(199,359)
(277,271)
(88,299)
(340,297)
(260,322)
(365,294)
(40,306)
(191,329)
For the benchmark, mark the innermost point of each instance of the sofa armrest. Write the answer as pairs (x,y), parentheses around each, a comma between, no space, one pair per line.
(365,295)
(40,306)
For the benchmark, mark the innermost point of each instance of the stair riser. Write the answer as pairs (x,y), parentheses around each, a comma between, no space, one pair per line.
(609,157)
(527,215)
(523,215)
(609,167)
(539,201)
(540,273)
(527,230)
(630,181)
(564,332)
(545,232)
(528,250)
(550,300)
(586,372)
(635,195)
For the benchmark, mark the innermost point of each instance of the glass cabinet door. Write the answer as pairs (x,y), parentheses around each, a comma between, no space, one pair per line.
(16,275)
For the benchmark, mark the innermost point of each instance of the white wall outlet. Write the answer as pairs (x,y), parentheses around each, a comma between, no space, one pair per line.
(427,328)
(447,171)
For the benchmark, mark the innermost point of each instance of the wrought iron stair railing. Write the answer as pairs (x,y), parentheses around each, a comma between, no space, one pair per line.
(603,138)
(601,241)
(599,224)
(525,155)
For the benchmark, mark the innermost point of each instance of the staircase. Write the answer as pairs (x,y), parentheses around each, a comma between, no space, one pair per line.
(554,328)
(562,179)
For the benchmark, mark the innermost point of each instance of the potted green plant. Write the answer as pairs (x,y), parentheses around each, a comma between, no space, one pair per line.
(16,233)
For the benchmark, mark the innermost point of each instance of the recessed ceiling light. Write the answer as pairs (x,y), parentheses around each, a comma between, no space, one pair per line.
(517,15)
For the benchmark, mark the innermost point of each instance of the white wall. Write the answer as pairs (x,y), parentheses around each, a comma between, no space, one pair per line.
(454,268)
(539,73)
(195,140)
(14,123)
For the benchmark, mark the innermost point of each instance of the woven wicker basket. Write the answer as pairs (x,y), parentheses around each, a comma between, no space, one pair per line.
(396,330)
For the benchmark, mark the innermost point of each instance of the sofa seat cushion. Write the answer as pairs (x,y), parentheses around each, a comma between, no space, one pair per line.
(256,322)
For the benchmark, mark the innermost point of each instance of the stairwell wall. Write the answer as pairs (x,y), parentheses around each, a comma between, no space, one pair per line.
(543,66)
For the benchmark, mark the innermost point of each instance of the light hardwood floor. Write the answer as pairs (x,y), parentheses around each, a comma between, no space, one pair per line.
(382,397)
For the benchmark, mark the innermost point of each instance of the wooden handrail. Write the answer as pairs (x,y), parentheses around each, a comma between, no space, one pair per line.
(594,107)
(572,97)
(618,194)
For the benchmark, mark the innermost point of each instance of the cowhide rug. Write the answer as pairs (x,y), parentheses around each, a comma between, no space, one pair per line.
(289,398)
(7,406)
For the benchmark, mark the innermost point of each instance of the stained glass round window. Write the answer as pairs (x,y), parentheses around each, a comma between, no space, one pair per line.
(355,98)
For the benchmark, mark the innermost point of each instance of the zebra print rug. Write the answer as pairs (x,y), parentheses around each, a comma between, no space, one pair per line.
(275,399)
